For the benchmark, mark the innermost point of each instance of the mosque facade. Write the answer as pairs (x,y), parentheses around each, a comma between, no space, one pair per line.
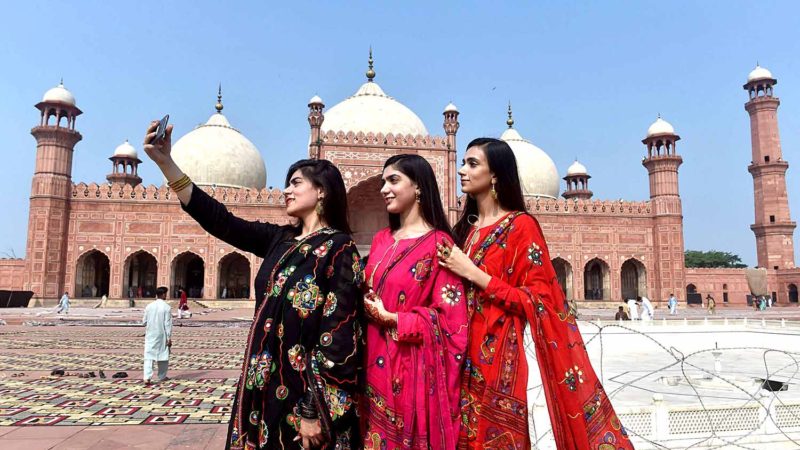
(122,239)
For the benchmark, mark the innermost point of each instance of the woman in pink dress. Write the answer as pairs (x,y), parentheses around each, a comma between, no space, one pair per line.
(417,331)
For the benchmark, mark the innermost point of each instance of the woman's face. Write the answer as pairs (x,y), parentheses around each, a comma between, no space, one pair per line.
(475,175)
(301,195)
(398,191)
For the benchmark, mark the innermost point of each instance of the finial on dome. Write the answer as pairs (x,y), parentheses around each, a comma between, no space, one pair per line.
(218,106)
(61,83)
(510,121)
(370,71)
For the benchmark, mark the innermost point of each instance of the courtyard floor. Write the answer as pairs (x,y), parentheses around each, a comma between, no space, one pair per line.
(40,411)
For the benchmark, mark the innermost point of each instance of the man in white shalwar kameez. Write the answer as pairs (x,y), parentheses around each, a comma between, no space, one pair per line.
(158,336)
(647,308)
(634,310)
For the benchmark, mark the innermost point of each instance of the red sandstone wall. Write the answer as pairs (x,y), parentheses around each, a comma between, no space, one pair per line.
(718,281)
(12,273)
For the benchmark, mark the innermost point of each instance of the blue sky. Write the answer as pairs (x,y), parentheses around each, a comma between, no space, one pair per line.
(586,79)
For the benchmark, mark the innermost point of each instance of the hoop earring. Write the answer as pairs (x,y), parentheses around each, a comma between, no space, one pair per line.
(493,192)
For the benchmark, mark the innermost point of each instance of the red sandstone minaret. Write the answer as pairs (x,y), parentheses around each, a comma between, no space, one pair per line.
(51,190)
(662,162)
(577,182)
(451,128)
(315,119)
(125,165)
(773,225)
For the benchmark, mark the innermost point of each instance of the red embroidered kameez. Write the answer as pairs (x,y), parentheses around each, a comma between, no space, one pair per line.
(524,288)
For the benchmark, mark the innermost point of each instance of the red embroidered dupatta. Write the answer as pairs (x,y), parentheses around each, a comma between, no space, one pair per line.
(524,288)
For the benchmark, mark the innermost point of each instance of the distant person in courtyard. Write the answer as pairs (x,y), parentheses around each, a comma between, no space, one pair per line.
(63,304)
(633,309)
(621,314)
(158,336)
(103,301)
(711,304)
(647,308)
(94,291)
(183,305)
(673,305)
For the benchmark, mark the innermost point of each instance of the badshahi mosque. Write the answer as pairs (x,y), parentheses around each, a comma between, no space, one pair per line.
(121,238)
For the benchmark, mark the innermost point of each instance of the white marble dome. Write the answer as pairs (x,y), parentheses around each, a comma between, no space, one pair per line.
(59,94)
(450,108)
(577,168)
(217,154)
(126,149)
(314,100)
(660,127)
(537,171)
(371,110)
(759,73)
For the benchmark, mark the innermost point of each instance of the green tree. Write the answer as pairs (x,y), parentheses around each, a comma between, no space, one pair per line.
(713,258)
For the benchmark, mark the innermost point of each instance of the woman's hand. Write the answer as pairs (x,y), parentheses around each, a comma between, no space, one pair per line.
(453,259)
(158,151)
(310,434)
(377,313)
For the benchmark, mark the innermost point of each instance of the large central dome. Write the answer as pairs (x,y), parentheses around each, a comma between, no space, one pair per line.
(371,110)
(218,154)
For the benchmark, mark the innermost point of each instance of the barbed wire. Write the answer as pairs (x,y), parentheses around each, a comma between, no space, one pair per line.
(681,361)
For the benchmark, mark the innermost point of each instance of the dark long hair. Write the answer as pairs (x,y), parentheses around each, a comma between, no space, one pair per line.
(420,172)
(324,175)
(503,164)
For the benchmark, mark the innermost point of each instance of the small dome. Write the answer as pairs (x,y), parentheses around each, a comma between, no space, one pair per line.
(450,108)
(125,149)
(577,169)
(59,94)
(371,110)
(759,73)
(217,154)
(314,100)
(537,171)
(660,127)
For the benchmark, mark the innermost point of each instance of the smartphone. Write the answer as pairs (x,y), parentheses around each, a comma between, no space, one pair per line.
(161,129)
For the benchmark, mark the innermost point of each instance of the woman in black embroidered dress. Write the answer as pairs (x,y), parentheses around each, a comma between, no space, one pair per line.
(299,377)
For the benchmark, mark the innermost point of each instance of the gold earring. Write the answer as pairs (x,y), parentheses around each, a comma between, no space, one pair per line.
(493,192)
(318,208)
(417,195)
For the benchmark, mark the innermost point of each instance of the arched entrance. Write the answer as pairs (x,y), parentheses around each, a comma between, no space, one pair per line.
(564,276)
(140,271)
(92,275)
(633,279)
(234,276)
(792,293)
(596,281)
(366,212)
(188,272)
(725,293)
(691,289)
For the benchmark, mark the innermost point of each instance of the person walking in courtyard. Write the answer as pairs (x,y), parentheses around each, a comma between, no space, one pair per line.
(63,304)
(183,305)
(648,313)
(417,311)
(621,314)
(158,336)
(633,309)
(672,303)
(511,282)
(711,304)
(300,375)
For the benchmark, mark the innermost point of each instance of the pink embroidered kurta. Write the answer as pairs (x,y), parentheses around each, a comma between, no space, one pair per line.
(413,372)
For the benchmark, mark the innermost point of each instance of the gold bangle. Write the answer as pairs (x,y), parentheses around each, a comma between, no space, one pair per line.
(180,184)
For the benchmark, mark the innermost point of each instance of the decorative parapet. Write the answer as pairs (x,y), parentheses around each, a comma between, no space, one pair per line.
(580,206)
(124,192)
(379,139)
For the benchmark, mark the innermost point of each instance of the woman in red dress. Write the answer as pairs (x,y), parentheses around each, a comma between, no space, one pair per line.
(511,282)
